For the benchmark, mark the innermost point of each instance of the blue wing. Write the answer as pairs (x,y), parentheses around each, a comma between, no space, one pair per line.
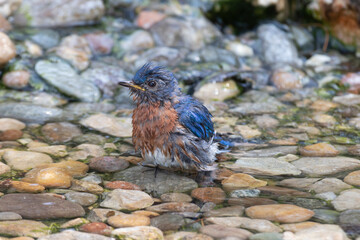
(195,117)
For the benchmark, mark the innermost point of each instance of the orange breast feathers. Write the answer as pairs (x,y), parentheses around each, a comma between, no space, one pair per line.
(152,124)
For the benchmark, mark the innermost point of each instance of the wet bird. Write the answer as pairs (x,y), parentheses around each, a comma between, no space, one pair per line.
(170,129)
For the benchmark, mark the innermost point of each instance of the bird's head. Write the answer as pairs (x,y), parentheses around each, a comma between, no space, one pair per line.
(152,83)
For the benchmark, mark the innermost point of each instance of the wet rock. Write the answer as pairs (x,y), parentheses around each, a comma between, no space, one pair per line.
(74,223)
(276,47)
(97,228)
(324,119)
(81,108)
(20,228)
(46,38)
(36,206)
(33,49)
(76,50)
(135,42)
(241,50)
(233,211)
(353,81)
(280,191)
(329,185)
(146,213)
(353,178)
(300,183)
(187,235)
(245,193)
(209,194)
(91,150)
(263,166)
(350,217)
(58,13)
(284,213)
(118,127)
(266,121)
(175,197)
(139,233)
(218,231)
(33,113)
(94,178)
(191,33)
(318,166)
(60,132)
(10,135)
(355,122)
(146,19)
(295,227)
(286,80)
(309,203)
(348,99)
(127,199)
(16,79)
(8,7)
(258,225)
(348,199)
(213,54)
(101,214)
(21,160)
(9,216)
(255,108)
(4,168)
(266,236)
(241,180)
(108,164)
(317,232)
(327,196)
(51,177)
(71,234)
(11,124)
(24,187)
(84,199)
(7,49)
(164,182)
(128,220)
(174,207)
(167,222)
(319,150)
(326,216)
(74,168)
(122,185)
(55,150)
(84,186)
(250,201)
(247,132)
(323,105)
(217,91)
(63,77)
(99,42)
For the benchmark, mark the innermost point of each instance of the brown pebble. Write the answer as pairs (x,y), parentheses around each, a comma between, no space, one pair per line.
(209,194)
(10,135)
(122,185)
(97,228)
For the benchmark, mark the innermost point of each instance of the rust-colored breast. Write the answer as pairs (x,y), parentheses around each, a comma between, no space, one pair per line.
(152,124)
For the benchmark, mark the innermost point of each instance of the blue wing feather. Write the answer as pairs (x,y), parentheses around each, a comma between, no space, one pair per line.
(195,117)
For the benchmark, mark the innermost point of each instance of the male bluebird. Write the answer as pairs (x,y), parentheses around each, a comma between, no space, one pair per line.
(171,130)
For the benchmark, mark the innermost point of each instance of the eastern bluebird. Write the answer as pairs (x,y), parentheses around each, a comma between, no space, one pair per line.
(171,130)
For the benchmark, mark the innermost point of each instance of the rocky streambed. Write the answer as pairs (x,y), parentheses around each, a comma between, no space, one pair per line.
(68,169)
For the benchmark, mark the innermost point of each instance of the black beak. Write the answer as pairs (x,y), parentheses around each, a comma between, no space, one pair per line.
(131,85)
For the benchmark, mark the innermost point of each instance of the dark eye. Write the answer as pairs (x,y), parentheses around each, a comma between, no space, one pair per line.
(152,84)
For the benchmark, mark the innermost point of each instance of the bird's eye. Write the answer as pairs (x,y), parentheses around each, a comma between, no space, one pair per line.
(152,84)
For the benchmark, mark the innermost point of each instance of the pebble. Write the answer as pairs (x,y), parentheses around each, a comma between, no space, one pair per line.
(16,79)
(241,180)
(27,228)
(175,197)
(74,168)
(55,150)
(217,91)
(348,99)
(281,191)
(353,81)
(50,177)
(295,227)
(128,220)
(76,222)
(8,50)
(146,213)
(108,164)
(258,225)
(96,228)
(146,19)
(239,49)
(11,124)
(187,235)
(300,183)
(9,216)
(21,160)
(4,168)
(283,213)
(37,206)
(33,49)
(317,232)
(10,135)
(353,178)
(348,199)
(323,105)
(122,185)
(326,216)
(99,42)
(270,152)
(114,126)
(250,201)
(209,194)
(84,199)
(350,217)
(101,214)
(139,233)
(285,80)
(5,26)
(324,119)
(327,196)
(127,199)
(233,211)
(91,150)
(266,166)
(321,166)
(84,186)
(219,231)
(174,207)
(25,187)
(319,150)
(245,193)
(168,222)
(247,132)
(71,234)
(164,182)
(60,132)
(266,121)
(329,185)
